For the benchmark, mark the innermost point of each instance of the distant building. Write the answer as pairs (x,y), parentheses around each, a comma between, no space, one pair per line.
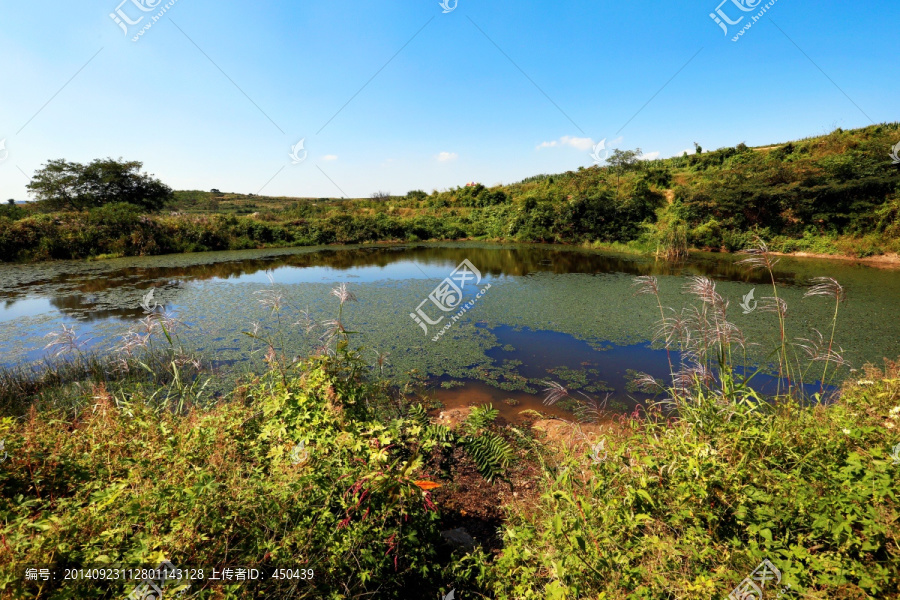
(472,184)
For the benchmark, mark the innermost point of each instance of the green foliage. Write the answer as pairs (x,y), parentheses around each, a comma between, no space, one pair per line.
(670,234)
(315,464)
(834,193)
(63,185)
(490,452)
(12,212)
(687,509)
(125,483)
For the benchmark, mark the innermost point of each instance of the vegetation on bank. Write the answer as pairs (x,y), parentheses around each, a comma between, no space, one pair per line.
(833,194)
(688,509)
(321,464)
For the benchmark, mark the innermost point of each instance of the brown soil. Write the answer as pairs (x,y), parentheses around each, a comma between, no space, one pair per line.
(890,260)
(469,502)
(566,434)
(452,417)
(477,393)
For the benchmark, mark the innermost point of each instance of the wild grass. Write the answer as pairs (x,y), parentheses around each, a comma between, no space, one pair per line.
(149,362)
(707,352)
(321,463)
(688,507)
(687,498)
(316,464)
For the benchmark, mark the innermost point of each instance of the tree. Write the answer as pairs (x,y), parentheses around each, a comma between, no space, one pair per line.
(64,185)
(381,196)
(621,160)
(11,202)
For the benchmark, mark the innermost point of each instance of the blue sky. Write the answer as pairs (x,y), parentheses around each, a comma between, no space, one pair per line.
(396,96)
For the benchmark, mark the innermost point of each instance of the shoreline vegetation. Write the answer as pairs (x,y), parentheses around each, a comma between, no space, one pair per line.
(321,464)
(836,195)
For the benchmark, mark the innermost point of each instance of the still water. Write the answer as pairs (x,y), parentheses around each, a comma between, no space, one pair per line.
(546,313)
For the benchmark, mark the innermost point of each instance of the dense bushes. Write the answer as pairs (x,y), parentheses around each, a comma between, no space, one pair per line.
(315,465)
(301,469)
(225,485)
(841,187)
(689,509)
(318,464)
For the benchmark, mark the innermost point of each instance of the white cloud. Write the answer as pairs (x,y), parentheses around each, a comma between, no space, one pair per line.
(447,156)
(650,156)
(574,142)
(330,157)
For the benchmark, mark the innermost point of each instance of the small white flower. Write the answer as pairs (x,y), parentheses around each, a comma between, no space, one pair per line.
(846,431)
(865,382)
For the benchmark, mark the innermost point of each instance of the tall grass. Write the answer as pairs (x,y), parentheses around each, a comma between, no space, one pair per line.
(149,362)
(687,507)
(303,467)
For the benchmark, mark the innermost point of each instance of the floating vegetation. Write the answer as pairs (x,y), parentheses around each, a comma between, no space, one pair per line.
(574,317)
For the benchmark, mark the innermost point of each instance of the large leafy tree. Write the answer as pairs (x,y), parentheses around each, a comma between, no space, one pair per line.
(64,185)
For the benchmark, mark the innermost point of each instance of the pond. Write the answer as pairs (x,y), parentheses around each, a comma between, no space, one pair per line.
(528,313)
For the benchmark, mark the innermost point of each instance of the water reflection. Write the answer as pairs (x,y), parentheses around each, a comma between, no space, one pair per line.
(87,290)
(554,313)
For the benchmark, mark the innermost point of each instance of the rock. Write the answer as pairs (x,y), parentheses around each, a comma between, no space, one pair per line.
(453,416)
(459,539)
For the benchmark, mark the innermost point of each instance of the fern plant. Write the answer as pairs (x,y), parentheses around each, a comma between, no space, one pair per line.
(489,451)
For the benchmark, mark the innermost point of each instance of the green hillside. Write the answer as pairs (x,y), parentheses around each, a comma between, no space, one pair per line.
(834,194)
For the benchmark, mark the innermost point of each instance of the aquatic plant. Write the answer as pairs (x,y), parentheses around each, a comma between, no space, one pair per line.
(828,287)
(712,347)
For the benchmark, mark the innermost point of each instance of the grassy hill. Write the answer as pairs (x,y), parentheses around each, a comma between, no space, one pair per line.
(833,194)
